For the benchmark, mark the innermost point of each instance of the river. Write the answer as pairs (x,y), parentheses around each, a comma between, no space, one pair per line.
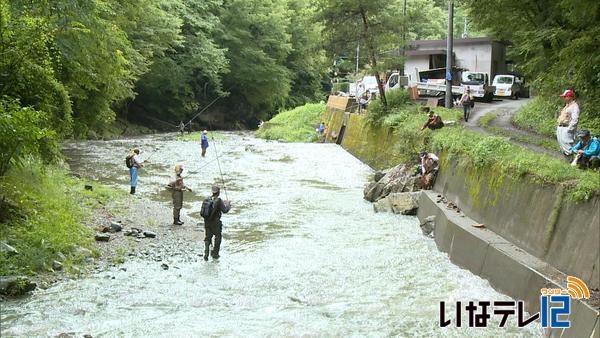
(303,254)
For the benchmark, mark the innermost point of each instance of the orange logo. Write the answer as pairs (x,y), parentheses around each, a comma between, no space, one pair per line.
(576,288)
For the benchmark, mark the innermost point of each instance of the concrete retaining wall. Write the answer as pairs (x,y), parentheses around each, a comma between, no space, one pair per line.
(537,218)
(508,268)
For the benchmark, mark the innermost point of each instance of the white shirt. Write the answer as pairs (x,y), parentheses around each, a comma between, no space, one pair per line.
(573,108)
(137,160)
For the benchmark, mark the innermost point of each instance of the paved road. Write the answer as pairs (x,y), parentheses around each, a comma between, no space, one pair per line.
(505,110)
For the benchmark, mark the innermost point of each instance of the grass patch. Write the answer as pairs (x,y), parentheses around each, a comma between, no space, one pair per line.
(296,125)
(541,113)
(515,161)
(486,123)
(197,136)
(44,210)
(483,152)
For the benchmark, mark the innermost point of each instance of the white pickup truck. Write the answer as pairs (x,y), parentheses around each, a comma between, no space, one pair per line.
(479,84)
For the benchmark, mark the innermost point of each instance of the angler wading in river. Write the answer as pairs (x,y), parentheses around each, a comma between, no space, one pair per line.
(178,187)
(212,209)
(134,163)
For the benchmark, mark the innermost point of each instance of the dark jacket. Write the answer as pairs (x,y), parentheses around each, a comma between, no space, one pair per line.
(219,208)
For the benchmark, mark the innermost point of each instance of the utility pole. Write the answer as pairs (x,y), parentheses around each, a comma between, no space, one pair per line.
(357,56)
(449,54)
(403,38)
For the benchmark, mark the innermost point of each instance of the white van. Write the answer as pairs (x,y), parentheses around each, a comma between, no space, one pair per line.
(508,86)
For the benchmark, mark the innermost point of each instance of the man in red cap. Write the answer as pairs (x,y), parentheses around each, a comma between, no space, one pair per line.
(567,122)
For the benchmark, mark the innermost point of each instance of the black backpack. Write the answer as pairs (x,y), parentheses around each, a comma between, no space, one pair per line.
(129,161)
(207,208)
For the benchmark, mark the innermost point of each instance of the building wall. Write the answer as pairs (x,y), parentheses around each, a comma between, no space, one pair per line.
(420,62)
(488,57)
(476,58)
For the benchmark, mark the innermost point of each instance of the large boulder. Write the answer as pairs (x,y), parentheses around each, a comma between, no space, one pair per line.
(15,286)
(401,178)
(405,203)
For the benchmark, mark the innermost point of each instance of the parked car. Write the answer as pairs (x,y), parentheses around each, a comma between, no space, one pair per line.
(510,86)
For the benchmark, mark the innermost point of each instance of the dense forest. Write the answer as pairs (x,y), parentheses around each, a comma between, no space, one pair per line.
(77,65)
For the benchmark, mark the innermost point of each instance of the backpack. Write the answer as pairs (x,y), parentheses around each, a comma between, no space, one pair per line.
(207,208)
(129,161)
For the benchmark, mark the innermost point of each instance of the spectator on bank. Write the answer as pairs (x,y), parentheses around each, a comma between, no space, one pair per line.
(567,122)
(467,102)
(429,169)
(586,151)
(433,122)
(364,100)
(321,129)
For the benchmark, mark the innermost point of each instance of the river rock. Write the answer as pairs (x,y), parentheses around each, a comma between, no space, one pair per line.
(16,286)
(398,179)
(428,226)
(164,266)
(8,249)
(102,237)
(57,266)
(405,203)
(115,227)
(149,234)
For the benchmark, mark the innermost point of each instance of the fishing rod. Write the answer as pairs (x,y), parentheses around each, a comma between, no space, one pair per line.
(206,107)
(219,164)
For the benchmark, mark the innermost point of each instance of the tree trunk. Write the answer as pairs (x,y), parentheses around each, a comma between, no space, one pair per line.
(372,56)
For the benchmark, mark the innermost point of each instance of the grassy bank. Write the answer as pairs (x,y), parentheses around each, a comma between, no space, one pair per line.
(296,125)
(541,113)
(396,134)
(43,212)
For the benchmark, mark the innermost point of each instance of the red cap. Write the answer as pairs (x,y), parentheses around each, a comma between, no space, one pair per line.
(568,93)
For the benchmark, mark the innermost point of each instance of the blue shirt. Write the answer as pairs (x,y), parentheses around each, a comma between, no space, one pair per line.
(204,141)
(592,150)
(321,128)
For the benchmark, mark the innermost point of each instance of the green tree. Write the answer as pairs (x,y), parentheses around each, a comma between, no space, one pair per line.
(254,32)
(373,24)
(27,66)
(189,74)
(306,60)
(554,42)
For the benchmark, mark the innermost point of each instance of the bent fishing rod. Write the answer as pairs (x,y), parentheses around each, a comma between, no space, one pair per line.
(219,164)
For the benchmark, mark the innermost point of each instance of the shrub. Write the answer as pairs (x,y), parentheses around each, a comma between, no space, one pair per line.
(22,134)
(397,100)
(47,215)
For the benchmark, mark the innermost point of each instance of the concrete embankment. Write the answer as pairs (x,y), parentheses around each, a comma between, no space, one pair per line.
(534,236)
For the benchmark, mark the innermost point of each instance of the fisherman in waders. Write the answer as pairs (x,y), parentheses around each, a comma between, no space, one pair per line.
(134,163)
(212,209)
(178,187)
(204,142)
(181,127)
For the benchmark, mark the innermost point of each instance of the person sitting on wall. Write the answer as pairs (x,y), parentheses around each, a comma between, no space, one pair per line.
(429,169)
(586,151)
(433,122)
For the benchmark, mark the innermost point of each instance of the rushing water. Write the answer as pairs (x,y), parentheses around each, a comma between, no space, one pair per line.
(303,255)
